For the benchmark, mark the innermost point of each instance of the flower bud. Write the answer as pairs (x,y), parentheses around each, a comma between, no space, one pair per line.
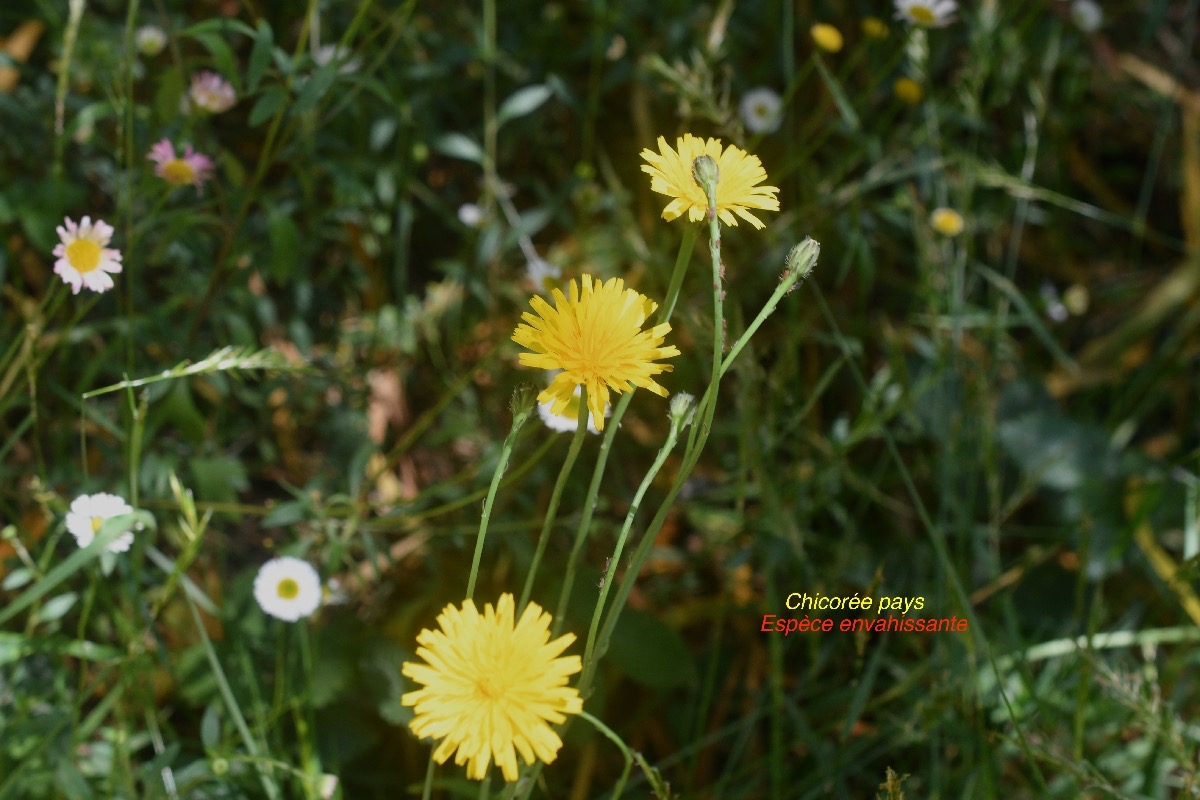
(524,401)
(801,259)
(706,174)
(682,409)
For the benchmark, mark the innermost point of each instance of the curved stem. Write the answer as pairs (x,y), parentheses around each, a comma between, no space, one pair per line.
(612,737)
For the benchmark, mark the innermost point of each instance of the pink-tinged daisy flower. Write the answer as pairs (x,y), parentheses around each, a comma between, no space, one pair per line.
(211,92)
(83,259)
(89,512)
(190,167)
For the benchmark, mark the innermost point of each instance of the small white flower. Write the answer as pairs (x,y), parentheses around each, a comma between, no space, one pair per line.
(926,13)
(212,93)
(287,588)
(1087,15)
(83,259)
(470,215)
(88,513)
(761,110)
(150,40)
(542,276)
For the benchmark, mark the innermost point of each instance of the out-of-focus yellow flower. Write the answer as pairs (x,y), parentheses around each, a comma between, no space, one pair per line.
(874,28)
(826,37)
(908,91)
(946,221)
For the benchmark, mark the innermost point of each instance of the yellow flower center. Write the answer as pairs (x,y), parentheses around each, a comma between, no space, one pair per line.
(287,589)
(487,688)
(762,110)
(84,256)
(96,523)
(178,172)
(922,14)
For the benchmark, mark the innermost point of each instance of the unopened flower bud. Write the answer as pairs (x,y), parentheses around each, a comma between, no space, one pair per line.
(705,173)
(801,259)
(524,402)
(682,409)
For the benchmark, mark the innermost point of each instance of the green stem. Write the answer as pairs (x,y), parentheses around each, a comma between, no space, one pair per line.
(555,496)
(612,737)
(589,506)
(591,655)
(505,454)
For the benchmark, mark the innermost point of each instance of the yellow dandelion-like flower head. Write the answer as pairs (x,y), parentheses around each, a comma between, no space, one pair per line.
(827,37)
(595,337)
(738,188)
(947,221)
(492,686)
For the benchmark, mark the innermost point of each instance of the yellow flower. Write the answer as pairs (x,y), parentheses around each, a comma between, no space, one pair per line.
(908,91)
(737,188)
(946,221)
(491,686)
(595,337)
(826,37)
(875,28)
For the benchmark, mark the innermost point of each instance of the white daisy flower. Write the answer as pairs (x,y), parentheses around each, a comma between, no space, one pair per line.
(287,588)
(150,40)
(83,259)
(926,13)
(1087,15)
(542,276)
(88,513)
(761,110)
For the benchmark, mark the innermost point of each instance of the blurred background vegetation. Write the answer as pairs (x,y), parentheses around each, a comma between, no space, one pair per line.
(1002,422)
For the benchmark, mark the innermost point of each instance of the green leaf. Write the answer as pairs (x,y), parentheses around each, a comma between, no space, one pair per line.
(218,479)
(457,145)
(271,100)
(218,25)
(210,727)
(16,579)
(522,102)
(315,88)
(221,53)
(260,56)
(57,607)
(650,652)
(70,782)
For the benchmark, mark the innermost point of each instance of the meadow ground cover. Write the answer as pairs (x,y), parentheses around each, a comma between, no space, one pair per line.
(731,399)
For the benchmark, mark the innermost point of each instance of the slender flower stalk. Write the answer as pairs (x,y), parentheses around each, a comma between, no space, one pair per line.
(564,472)
(591,655)
(522,410)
